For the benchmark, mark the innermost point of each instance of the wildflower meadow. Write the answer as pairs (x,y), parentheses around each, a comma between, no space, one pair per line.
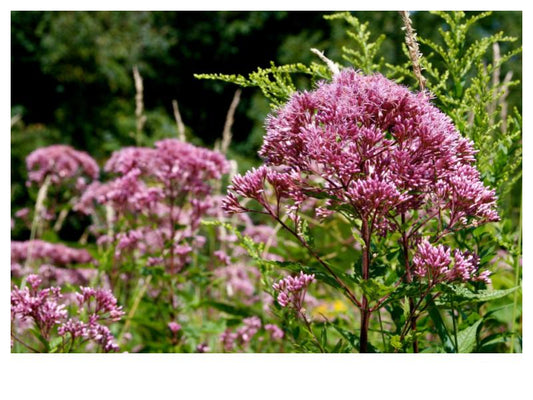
(374,206)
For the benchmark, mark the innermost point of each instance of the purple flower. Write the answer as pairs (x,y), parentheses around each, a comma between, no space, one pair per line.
(203,348)
(60,163)
(99,303)
(174,327)
(163,193)
(275,331)
(62,276)
(435,263)
(53,253)
(250,328)
(366,143)
(228,339)
(242,336)
(222,257)
(238,278)
(47,310)
(431,261)
(292,290)
(42,306)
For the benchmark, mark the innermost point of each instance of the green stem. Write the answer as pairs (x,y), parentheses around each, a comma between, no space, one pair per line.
(133,309)
(24,344)
(308,326)
(365,311)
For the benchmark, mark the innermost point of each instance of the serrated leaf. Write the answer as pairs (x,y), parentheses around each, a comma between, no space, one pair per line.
(462,294)
(466,339)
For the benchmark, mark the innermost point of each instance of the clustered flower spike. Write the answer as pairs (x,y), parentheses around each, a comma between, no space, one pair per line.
(60,163)
(99,303)
(44,307)
(173,163)
(366,146)
(53,253)
(292,290)
(242,336)
(370,144)
(166,190)
(276,333)
(435,263)
(101,307)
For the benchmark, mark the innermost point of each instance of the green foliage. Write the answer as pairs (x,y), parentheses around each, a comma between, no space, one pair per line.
(364,55)
(276,82)
(463,294)
(473,91)
(94,46)
(470,82)
(466,339)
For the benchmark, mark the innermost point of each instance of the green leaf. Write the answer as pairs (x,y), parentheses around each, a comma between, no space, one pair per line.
(374,288)
(462,295)
(488,343)
(306,232)
(434,313)
(466,339)
(324,336)
(352,339)
(54,344)
(319,272)
(405,308)
(396,343)
(228,308)
(338,346)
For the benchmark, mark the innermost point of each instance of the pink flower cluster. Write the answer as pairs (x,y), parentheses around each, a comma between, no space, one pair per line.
(65,276)
(370,144)
(45,309)
(435,263)
(242,336)
(52,253)
(292,290)
(60,163)
(39,305)
(276,333)
(179,166)
(101,307)
(239,279)
(159,197)
(174,327)
(99,304)
(125,193)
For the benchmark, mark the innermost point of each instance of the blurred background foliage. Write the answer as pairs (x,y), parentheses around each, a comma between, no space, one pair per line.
(72,81)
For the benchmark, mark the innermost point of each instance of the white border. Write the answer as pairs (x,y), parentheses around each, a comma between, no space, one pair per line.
(261,376)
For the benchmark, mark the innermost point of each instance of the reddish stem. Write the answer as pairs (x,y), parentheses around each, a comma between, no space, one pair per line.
(365,311)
